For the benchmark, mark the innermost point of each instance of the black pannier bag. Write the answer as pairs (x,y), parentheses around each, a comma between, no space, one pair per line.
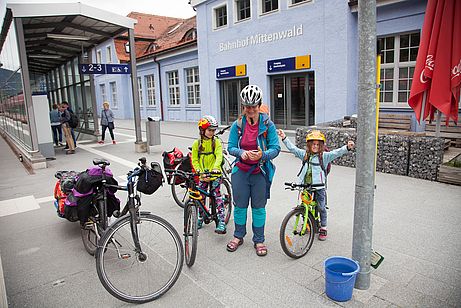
(150,180)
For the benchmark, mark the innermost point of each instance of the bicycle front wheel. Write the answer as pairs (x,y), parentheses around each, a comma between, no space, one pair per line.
(179,191)
(190,233)
(136,277)
(296,243)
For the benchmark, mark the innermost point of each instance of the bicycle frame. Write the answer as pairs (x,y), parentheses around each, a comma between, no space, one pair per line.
(310,206)
(197,196)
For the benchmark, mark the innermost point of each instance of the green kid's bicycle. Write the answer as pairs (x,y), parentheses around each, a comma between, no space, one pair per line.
(301,223)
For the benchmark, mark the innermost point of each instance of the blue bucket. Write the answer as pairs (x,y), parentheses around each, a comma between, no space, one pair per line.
(340,275)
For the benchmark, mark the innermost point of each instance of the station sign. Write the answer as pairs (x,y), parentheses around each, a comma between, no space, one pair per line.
(231,71)
(92,68)
(118,69)
(98,68)
(289,64)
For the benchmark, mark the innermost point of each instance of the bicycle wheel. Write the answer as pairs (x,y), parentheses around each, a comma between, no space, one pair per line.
(190,233)
(226,193)
(91,231)
(138,278)
(179,191)
(295,244)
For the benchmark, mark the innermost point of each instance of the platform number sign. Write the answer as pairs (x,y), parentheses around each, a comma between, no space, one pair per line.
(92,68)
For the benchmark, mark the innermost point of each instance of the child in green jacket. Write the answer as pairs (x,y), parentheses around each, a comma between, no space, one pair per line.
(207,156)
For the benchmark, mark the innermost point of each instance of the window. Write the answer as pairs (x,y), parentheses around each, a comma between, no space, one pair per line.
(220,16)
(269,6)
(193,86)
(98,56)
(102,89)
(298,1)
(109,54)
(113,93)
(150,90)
(190,35)
(243,10)
(173,88)
(398,58)
(140,91)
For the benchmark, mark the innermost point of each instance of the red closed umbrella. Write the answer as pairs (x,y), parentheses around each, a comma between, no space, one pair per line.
(434,87)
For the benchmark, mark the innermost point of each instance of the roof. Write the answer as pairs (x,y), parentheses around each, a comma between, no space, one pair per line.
(155,34)
(58,32)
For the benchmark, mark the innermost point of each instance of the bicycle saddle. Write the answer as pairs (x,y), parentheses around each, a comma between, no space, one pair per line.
(101,161)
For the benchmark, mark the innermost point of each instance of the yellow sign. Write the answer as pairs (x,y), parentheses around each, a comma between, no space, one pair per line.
(241,70)
(303,62)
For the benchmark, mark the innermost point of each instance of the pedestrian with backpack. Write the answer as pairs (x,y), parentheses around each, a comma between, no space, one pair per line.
(66,127)
(207,157)
(253,141)
(107,122)
(315,168)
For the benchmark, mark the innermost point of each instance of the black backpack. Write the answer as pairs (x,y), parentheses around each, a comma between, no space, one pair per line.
(73,122)
(150,180)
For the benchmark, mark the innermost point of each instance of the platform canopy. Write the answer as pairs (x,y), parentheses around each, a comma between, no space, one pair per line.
(55,33)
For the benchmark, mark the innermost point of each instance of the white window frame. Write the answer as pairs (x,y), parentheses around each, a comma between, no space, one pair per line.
(109,54)
(173,88)
(292,4)
(396,65)
(193,87)
(236,12)
(150,87)
(215,16)
(113,94)
(98,56)
(261,8)
(140,91)
(102,90)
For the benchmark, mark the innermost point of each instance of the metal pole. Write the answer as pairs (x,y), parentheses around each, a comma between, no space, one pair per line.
(437,123)
(366,136)
(134,88)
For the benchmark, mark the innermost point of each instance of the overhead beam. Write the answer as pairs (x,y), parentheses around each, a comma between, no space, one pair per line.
(65,25)
(47,42)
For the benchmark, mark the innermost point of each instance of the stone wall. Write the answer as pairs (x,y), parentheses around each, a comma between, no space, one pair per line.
(402,154)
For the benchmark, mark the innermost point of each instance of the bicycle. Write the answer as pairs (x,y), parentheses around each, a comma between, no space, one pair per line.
(301,223)
(140,256)
(179,191)
(194,202)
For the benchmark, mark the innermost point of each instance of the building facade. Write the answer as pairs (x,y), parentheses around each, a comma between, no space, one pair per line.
(303,54)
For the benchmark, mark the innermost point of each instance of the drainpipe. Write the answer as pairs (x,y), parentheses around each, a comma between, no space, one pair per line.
(160,86)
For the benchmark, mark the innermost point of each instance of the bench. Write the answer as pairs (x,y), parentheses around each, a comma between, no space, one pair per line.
(394,121)
(451,132)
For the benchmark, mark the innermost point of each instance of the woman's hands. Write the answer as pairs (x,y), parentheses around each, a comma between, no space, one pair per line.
(281,133)
(252,154)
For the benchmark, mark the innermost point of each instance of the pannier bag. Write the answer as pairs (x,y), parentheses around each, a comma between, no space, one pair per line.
(150,180)
(63,188)
(172,159)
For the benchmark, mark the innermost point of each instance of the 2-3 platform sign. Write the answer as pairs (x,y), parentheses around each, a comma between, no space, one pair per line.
(92,68)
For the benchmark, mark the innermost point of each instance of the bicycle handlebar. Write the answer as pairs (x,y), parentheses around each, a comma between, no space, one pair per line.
(221,131)
(293,186)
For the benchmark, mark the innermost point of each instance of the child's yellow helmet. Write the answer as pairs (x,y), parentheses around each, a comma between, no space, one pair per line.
(315,135)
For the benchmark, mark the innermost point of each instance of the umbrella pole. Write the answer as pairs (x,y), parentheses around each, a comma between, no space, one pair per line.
(421,117)
(437,123)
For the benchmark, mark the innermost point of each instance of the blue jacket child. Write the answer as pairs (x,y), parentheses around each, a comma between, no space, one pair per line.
(312,172)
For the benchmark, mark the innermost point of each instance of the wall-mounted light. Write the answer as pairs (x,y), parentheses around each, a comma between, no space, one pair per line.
(67,37)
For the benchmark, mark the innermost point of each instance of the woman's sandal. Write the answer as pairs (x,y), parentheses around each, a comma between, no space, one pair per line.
(232,246)
(261,249)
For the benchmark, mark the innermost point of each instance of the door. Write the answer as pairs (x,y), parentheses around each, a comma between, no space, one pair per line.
(230,99)
(293,100)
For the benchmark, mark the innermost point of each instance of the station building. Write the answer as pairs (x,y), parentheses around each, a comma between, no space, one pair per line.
(303,54)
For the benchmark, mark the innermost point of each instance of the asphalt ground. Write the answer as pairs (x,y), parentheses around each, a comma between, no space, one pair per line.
(416,228)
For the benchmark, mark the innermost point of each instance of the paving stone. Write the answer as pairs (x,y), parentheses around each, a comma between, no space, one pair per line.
(431,287)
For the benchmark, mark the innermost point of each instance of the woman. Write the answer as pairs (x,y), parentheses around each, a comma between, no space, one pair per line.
(253,141)
(55,119)
(107,121)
